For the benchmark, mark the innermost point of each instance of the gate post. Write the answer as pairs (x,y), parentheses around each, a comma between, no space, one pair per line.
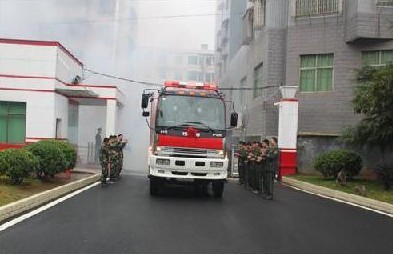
(287,130)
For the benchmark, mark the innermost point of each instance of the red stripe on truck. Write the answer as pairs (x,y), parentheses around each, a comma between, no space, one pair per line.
(175,141)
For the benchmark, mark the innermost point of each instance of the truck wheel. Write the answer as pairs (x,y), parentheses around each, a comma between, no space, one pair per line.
(155,185)
(218,188)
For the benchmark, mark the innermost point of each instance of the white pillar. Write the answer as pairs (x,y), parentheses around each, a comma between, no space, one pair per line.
(111,113)
(288,129)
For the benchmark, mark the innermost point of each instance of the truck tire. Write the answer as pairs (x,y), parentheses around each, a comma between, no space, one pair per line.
(218,188)
(155,186)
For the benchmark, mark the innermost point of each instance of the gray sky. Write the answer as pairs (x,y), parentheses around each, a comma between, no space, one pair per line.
(87,29)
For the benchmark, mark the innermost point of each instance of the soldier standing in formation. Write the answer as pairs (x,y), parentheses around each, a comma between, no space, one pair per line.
(121,144)
(104,159)
(111,157)
(258,166)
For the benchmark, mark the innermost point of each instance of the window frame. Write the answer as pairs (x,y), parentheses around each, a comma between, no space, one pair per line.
(379,64)
(384,3)
(316,68)
(7,115)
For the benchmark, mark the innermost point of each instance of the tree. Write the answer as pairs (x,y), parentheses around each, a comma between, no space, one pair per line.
(374,100)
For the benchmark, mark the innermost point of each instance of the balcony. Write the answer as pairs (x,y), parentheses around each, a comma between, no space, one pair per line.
(369,24)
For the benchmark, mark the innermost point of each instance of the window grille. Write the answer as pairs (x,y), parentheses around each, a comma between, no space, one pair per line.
(385,2)
(316,7)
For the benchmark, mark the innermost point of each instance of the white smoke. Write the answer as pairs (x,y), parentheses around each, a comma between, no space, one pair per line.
(113,42)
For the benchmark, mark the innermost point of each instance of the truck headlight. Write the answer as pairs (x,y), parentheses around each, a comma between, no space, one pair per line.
(163,162)
(216,164)
(215,153)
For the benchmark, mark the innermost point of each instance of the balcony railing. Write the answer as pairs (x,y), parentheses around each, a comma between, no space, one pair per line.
(317,7)
(384,2)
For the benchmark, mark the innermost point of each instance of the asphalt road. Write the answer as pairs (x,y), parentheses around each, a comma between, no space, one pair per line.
(123,218)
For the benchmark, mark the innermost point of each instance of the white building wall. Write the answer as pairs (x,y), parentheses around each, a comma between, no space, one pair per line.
(61,112)
(66,67)
(27,60)
(39,113)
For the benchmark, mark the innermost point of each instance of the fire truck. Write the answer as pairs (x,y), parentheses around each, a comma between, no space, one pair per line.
(187,136)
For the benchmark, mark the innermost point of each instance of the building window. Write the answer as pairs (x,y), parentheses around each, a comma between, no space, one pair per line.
(377,58)
(193,60)
(385,2)
(12,122)
(316,7)
(316,73)
(258,80)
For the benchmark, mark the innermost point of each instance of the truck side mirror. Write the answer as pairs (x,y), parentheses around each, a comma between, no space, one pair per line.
(145,100)
(145,113)
(234,117)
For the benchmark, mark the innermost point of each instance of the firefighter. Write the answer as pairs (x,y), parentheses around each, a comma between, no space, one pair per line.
(104,159)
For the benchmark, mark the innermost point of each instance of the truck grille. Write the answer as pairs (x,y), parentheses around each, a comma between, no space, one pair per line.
(189,152)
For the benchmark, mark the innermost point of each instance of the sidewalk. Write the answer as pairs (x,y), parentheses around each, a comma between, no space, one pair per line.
(81,178)
(341,196)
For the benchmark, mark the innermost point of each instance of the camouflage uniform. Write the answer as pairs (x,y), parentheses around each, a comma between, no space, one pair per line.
(268,172)
(104,161)
(114,159)
(121,145)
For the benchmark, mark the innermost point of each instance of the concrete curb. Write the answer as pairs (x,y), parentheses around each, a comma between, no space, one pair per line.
(355,199)
(36,200)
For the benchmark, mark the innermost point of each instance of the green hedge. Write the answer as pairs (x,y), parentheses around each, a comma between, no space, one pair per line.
(50,156)
(68,151)
(332,162)
(3,162)
(17,164)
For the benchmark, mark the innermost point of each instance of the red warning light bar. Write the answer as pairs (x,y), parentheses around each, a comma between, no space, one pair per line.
(191,85)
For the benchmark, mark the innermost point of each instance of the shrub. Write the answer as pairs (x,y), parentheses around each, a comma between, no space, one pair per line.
(332,162)
(17,164)
(3,162)
(68,151)
(50,157)
(385,174)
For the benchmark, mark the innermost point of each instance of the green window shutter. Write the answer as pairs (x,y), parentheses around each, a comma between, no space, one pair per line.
(387,57)
(308,61)
(316,73)
(325,60)
(370,58)
(12,122)
(16,129)
(3,121)
(324,80)
(324,73)
(307,80)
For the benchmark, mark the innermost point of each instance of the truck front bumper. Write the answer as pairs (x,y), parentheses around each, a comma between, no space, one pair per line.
(188,168)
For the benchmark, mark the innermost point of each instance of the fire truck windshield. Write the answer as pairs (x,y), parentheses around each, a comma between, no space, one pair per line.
(202,112)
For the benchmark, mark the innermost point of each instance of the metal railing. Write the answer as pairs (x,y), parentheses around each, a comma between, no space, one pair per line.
(317,7)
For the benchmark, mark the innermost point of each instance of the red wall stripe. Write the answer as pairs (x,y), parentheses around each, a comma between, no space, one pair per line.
(41,43)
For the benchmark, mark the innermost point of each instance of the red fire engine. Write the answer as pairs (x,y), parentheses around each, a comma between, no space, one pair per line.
(188,133)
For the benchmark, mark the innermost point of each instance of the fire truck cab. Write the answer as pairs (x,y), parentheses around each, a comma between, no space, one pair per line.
(187,135)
